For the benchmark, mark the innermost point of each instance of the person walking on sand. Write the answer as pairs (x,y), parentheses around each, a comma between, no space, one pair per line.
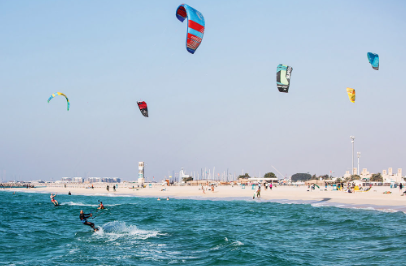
(203,189)
(270,186)
(114,187)
(400,187)
(212,187)
(258,191)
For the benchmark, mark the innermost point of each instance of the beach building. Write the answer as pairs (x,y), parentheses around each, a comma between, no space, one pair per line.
(389,176)
(347,174)
(365,175)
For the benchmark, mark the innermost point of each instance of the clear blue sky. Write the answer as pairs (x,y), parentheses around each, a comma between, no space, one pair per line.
(217,108)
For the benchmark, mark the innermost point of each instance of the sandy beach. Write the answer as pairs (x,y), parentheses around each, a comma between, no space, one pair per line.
(284,194)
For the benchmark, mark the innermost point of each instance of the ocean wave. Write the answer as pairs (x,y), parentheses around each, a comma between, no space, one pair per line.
(118,229)
(71,203)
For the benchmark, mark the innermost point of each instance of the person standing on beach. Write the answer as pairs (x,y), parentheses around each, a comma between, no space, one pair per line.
(114,187)
(270,186)
(203,189)
(400,187)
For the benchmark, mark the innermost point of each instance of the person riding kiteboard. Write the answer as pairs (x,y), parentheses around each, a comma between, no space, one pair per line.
(101,206)
(83,218)
(53,200)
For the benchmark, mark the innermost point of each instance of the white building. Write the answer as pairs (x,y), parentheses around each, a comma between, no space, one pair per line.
(389,176)
(78,179)
(365,174)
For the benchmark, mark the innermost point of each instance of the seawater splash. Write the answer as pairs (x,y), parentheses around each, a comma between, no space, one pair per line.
(119,229)
(71,203)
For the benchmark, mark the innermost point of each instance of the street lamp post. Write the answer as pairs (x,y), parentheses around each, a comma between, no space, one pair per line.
(352,161)
(358,155)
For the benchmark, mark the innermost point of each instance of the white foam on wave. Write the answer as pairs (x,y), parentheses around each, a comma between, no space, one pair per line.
(237,243)
(71,203)
(387,209)
(115,230)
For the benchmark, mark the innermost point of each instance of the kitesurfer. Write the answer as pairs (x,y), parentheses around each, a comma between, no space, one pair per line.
(53,200)
(83,218)
(101,206)
(69,193)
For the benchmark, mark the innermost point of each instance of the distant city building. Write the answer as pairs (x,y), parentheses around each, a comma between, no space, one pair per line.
(66,179)
(347,174)
(93,179)
(78,179)
(365,174)
(111,180)
(391,177)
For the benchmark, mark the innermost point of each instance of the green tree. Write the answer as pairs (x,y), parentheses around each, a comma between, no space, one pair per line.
(355,177)
(270,175)
(244,176)
(376,178)
(339,180)
(300,176)
(314,177)
(325,177)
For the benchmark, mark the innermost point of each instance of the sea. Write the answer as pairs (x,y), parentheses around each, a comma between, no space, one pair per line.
(145,231)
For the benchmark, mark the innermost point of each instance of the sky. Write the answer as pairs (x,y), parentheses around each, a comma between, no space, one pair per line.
(219,107)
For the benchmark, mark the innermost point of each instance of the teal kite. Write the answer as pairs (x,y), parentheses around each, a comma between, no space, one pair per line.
(59,93)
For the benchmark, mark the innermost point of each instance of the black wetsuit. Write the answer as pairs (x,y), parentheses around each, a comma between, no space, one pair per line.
(83,218)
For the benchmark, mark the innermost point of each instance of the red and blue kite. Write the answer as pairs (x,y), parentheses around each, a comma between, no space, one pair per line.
(195,27)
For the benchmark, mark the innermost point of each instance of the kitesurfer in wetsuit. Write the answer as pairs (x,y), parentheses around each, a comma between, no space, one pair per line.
(83,218)
(53,200)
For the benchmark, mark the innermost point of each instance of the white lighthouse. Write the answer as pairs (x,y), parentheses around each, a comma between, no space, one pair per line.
(141,174)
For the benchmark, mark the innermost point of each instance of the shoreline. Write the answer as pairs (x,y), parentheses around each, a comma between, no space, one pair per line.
(374,199)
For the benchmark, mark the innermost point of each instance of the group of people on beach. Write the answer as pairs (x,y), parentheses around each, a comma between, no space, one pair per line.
(108,188)
(204,189)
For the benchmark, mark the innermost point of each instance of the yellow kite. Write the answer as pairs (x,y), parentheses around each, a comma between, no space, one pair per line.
(351,94)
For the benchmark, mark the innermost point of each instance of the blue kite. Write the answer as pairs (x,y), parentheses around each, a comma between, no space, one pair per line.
(373,60)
